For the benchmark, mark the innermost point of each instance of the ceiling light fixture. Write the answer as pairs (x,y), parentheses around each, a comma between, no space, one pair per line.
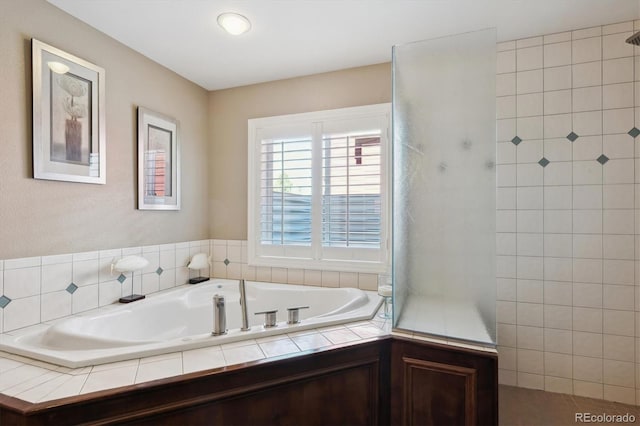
(234,23)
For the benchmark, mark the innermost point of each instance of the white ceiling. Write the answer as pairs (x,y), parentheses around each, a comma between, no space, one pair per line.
(291,38)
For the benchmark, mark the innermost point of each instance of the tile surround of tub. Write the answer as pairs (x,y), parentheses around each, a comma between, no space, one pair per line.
(41,289)
(568,238)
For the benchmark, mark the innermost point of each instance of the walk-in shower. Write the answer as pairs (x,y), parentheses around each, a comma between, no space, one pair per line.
(444,186)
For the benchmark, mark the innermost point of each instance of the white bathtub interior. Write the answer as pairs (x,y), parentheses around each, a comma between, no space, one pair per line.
(181,319)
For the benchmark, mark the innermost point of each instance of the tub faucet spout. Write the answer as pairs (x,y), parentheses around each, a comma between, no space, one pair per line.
(219,316)
(243,307)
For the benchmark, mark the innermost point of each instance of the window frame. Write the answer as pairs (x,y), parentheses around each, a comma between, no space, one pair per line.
(288,256)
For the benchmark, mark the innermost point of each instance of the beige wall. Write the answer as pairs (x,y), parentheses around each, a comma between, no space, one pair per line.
(39,217)
(230,109)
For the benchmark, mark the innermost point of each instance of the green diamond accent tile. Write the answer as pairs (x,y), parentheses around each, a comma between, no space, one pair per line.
(4,301)
(634,132)
(159,271)
(226,261)
(572,137)
(122,278)
(543,162)
(71,288)
(516,140)
(602,159)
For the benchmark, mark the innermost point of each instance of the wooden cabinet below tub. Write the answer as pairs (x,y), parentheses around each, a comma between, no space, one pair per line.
(382,381)
(433,384)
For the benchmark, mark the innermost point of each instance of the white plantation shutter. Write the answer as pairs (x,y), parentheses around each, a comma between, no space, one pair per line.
(318,190)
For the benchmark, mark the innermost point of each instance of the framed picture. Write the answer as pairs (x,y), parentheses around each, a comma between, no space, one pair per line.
(158,162)
(68,117)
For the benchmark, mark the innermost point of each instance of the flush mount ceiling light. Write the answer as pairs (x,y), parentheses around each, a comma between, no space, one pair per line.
(58,67)
(234,23)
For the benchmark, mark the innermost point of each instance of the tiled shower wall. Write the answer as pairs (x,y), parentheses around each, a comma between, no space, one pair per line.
(567,213)
(40,289)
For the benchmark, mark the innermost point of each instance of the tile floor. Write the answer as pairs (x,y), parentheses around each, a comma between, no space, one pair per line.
(519,406)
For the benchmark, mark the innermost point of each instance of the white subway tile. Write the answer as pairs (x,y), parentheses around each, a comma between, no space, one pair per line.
(558,293)
(56,259)
(619,394)
(619,373)
(617,120)
(21,313)
(529,221)
(557,269)
(587,148)
(530,337)
(506,45)
(557,149)
(586,50)
(23,282)
(617,70)
(557,102)
(557,126)
(529,174)
(587,197)
(618,146)
(618,322)
(559,341)
(529,81)
(529,58)
(506,84)
(150,283)
(506,175)
(530,361)
(587,173)
(557,54)
(530,198)
(617,96)
(587,270)
(529,291)
(588,123)
(263,273)
(529,105)
(529,42)
(587,221)
(508,358)
(506,198)
(587,99)
(587,74)
(506,266)
(85,298)
(620,348)
(560,318)
(349,279)
(587,246)
(530,127)
(558,173)
(618,196)
(85,272)
(331,279)
(366,281)
(506,289)
(618,171)
(506,107)
(618,272)
(558,221)
(587,295)
(506,312)
(558,245)
(506,61)
(109,292)
(55,305)
(618,246)
(614,46)
(506,336)
(617,28)
(505,129)
(585,368)
(587,319)
(530,314)
(556,78)
(587,344)
(249,272)
(506,243)
(618,221)
(557,38)
(220,270)
(529,151)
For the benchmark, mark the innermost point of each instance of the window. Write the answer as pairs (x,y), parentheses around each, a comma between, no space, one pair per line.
(318,190)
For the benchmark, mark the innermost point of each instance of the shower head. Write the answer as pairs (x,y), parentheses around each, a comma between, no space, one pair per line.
(634,39)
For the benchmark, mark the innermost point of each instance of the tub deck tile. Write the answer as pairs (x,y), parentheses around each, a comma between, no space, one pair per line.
(113,365)
(110,378)
(242,354)
(279,347)
(310,341)
(39,392)
(159,369)
(343,335)
(31,383)
(202,359)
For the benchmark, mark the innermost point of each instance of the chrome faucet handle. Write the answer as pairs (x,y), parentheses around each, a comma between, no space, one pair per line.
(294,314)
(269,318)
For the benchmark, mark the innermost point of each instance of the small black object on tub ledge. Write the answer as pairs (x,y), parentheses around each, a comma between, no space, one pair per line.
(131,298)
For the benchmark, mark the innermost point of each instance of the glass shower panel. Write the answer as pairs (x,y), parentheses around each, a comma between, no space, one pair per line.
(444,186)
